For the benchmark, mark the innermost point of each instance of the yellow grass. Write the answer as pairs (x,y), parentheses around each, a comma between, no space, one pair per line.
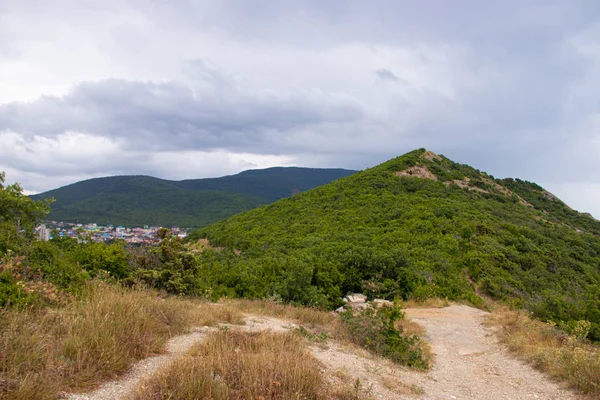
(242,365)
(304,315)
(76,347)
(43,352)
(427,303)
(569,359)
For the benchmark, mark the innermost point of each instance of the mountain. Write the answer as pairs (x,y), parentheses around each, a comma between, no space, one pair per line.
(417,226)
(144,200)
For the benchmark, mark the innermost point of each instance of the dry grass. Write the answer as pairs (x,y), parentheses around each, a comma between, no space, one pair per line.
(43,352)
(76,347)
(242,365)
(412,328)
(396,385)
(318,325)
(303,315)
(565,358)
(427,303)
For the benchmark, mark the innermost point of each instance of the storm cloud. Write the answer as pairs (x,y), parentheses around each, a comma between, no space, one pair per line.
(192,89)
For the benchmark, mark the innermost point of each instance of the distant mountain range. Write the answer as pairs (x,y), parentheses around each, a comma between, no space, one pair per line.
(145,200)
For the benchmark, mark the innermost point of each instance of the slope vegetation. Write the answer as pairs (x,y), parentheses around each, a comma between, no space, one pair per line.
(144,200)
(417,226)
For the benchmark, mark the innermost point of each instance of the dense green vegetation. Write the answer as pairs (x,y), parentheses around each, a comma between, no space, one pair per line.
(404,236)
(144,200)
(390,231)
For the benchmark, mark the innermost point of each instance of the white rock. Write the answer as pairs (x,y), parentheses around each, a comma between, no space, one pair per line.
(378,303)
(356,298)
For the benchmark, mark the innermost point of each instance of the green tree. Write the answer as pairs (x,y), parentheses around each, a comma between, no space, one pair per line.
(19,215)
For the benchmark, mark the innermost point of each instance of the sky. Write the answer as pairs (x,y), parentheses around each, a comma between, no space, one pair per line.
(191,89)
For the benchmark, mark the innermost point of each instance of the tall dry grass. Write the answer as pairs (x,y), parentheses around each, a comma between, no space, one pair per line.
(566,358)
(303,315)
(242,365)
(433,302)
(76,347)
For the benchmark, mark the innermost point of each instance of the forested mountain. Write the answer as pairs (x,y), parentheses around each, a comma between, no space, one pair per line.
(144,200)
(416,226)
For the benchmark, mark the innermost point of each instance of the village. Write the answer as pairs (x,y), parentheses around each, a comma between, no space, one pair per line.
(108,233)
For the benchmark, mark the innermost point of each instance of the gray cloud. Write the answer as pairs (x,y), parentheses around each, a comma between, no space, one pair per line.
(386,75)
(210,114)
(510,88)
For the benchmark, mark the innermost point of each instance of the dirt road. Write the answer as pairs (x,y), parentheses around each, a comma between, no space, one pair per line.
(471,364)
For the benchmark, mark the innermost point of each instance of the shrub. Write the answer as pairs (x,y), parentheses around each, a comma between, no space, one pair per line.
(377,331)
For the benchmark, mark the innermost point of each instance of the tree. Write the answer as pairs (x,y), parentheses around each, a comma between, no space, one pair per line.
(19,215)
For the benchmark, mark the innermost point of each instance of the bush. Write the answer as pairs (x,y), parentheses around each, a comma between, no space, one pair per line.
(375,330)
(11,293)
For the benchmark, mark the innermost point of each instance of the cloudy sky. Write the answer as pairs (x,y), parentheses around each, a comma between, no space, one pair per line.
(189,89)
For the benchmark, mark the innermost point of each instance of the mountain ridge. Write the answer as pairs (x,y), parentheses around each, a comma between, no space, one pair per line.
(146,200)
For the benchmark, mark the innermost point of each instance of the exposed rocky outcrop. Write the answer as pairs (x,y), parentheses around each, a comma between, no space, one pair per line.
(358,302)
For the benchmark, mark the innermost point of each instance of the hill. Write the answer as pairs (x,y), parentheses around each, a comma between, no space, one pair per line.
(144,200)
(417,226)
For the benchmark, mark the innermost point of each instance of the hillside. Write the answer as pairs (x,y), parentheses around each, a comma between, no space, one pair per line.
(83,319)
(144,200)
(417,226)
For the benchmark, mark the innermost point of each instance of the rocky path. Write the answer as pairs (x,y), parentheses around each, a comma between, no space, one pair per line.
(469,363)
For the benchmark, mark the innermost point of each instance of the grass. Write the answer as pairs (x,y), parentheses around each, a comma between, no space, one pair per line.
(75,347)
(262,365)
(304,315)
(563,357)
(318,325)
(433,302)
(243,365)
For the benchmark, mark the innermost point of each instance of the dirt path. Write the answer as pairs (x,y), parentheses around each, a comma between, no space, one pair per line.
(469,363)
(175,348)
(126,385)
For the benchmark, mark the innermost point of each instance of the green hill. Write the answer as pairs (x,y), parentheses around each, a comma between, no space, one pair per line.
(144,200)
(417,226)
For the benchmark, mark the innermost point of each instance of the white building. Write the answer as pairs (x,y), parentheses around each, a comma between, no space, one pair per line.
(43,232)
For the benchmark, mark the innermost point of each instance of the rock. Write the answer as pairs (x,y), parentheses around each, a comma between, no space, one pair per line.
(359,306)
(378,303)
(356,298)
(340,309)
